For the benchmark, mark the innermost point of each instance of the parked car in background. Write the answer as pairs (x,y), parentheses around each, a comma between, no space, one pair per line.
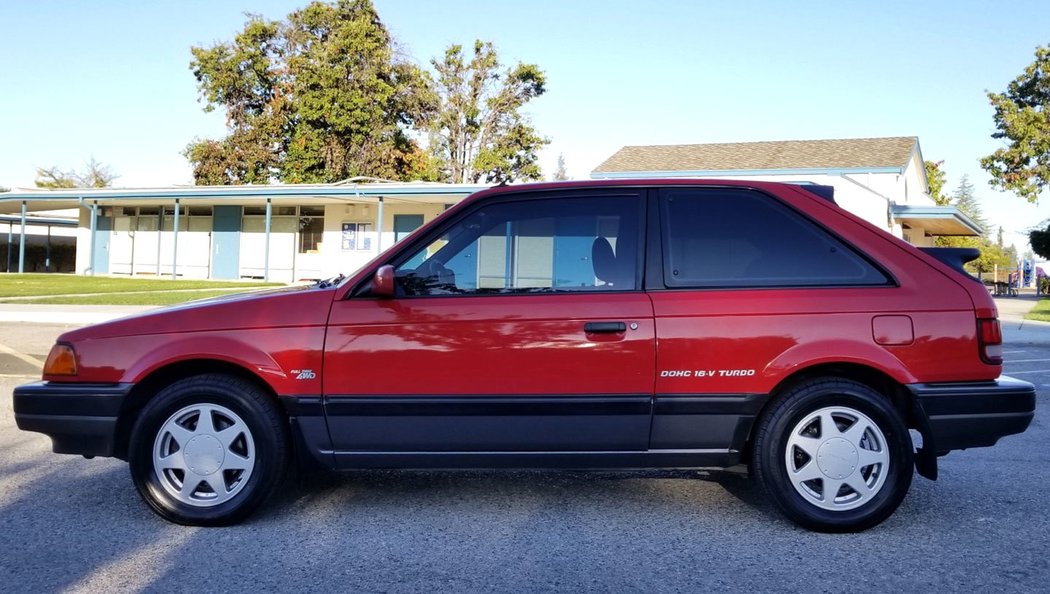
(603,324)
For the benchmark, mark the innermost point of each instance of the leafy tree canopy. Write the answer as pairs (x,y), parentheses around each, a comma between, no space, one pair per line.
(1022,120)
(317,97)
(935,180)
(94,175)
(479,132)
(1039,239)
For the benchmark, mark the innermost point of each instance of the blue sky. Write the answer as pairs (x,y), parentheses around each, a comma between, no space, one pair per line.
(111,79)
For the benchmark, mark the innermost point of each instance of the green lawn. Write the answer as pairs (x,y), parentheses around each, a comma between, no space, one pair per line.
(152,298)
(24,285)
(72,289)
(1041,311)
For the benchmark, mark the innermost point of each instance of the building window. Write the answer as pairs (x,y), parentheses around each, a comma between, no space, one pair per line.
(357,237)
(311,229)
(148,219)
(283,219)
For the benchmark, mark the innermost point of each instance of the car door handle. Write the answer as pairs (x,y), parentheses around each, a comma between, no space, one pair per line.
(604,327)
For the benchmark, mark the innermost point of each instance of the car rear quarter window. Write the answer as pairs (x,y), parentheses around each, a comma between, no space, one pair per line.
(721,237)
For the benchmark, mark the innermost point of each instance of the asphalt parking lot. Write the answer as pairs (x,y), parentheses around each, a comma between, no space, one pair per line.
(72,524)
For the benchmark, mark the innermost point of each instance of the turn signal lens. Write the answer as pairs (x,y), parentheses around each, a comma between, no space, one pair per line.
(61,361)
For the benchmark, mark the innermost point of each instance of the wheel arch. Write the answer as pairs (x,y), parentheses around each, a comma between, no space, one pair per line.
(157,379)
(872,377)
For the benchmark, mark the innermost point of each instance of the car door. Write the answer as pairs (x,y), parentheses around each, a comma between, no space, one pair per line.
(506,335)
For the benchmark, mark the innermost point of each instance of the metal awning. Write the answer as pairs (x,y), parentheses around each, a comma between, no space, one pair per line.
(935,221)
(421,192)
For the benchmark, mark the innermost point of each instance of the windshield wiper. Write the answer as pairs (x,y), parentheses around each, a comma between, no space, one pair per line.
(330,282)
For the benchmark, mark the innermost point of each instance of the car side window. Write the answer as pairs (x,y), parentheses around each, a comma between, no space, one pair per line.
(531,246)
(743,238)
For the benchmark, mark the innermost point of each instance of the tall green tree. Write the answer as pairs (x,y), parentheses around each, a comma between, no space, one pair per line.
(935,180)
(965,200)
(480,132)
(560,173)
(1022,120)
(317,97)
(992,254)
(94,175)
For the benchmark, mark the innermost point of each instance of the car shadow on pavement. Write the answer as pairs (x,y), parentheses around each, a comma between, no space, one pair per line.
(488,490)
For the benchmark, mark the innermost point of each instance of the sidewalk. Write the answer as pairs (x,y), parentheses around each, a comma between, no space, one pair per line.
(1015,308)
(78,315)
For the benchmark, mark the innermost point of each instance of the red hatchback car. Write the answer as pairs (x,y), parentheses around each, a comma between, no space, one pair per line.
(626,324)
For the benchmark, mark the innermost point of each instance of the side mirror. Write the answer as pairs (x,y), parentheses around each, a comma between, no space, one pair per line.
(383,282)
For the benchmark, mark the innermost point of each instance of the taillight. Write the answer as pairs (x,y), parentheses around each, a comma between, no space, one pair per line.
(61,361)
(990,341)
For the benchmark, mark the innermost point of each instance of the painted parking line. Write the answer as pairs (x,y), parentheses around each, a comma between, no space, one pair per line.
(19,376)
(1027,360)
(1023,372)
(21,356)
(1013,352)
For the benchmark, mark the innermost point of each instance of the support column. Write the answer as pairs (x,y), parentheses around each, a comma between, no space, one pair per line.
(47,258)
(160,236)
(10,244)
(94,226)
(266,265)
(379,227)
(175,240)
(22,242)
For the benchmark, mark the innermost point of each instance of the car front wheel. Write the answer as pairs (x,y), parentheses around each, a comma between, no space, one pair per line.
(834,455)
(208,450)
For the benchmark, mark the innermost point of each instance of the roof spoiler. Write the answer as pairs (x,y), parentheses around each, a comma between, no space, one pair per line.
(955,257)
(825,192)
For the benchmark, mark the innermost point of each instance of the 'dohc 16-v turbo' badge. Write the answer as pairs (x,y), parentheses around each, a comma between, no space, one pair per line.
(707,373)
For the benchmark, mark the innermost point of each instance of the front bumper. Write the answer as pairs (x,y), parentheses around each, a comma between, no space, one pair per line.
(79,418)
(973,414)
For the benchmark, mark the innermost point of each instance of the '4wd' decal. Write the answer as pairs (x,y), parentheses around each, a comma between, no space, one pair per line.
(304,374)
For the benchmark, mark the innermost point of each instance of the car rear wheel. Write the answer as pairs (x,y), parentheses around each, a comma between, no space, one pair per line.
(208,450)
(834,455)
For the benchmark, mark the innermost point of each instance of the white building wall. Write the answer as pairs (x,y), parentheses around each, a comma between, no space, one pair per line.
(83,234)
(337,260)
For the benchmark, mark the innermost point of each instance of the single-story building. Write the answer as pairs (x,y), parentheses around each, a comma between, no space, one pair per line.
(48,242)
(277,232)
(882,180)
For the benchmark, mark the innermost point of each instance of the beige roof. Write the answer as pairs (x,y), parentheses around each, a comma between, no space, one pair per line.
(848,153)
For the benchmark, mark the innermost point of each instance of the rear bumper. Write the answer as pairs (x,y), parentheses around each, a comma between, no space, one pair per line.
(79,418)
(973,414)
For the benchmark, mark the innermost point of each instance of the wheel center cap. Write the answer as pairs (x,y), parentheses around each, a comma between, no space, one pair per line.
(203,455)
(837,458)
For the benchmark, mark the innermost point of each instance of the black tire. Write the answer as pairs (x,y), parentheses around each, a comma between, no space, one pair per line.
(193,474)
(874,461)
